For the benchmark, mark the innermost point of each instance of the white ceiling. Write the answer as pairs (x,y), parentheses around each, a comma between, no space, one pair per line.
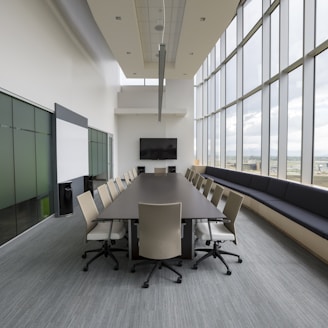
(132,31)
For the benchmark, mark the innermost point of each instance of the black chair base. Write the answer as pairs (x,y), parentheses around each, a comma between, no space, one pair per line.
(105,250)
(216,253)
(157,264)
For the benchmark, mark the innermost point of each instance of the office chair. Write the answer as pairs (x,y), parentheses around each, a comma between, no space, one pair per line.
(135,172)
(195,179)
(218,232)
(104,195)
(159,170)
(112,188)
(191,175)
(207,187)
(119,184)
(159,236)
(200,182)
(127,178)
(130,172)
(217,194)
(99,231)
(187,173)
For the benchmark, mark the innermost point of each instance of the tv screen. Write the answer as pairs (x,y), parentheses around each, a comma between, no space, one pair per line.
(158,148)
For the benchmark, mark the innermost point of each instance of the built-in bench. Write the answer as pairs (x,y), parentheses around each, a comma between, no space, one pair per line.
(299,210)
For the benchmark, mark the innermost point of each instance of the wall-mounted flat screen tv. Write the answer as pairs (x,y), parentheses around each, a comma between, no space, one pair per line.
(158,148)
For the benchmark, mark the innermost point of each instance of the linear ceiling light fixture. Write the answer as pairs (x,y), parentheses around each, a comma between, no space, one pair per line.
(161,68)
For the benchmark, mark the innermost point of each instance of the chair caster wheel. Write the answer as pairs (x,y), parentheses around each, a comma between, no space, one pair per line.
(228,273)
(85,269)
(179,280)
(133,270)
(194,267)
(240,260)
(84,256)
(145,285)
(208,243)
(116,267)
(179,264)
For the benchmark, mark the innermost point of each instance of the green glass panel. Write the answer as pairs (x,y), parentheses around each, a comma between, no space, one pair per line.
(7,191)
(42,121)
(26,213)
(23,115)
(44,207)
(43,164)
(7,224)
(94,154)
(94,135)
(6,117)
(100,158)
(25,165)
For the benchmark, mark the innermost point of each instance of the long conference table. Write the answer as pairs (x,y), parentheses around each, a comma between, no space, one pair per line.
(161,188)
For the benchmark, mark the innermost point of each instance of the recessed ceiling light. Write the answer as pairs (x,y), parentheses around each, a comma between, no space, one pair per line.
(118,18)
(202,19)
(128,53)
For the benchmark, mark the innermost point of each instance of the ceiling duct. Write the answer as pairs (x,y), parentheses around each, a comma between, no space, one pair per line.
(161,69)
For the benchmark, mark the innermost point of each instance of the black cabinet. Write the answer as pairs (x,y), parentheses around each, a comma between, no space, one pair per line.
(171,169)
(65,198)
(88,183)
(141,169)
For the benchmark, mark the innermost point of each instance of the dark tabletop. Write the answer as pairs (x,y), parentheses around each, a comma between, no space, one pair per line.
(165,188)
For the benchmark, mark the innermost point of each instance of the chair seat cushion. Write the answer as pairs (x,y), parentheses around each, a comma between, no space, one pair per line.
(218,229)
(101,231)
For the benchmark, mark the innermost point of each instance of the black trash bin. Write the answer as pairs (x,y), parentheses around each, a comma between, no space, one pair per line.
(65,198)
(88,183)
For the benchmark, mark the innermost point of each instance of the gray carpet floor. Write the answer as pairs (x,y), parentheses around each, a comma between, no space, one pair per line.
(42,285)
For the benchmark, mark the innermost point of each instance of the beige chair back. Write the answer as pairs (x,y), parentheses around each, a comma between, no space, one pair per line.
(119,184)
(127,178)
(104,195)
(217,194)
(88,208)
(131,175)
(207,187)
(112,188)
(160,230)
(200,182)
(159,170)
(191,175)
(195,178)
(187,173)
(135,173)
(231,210)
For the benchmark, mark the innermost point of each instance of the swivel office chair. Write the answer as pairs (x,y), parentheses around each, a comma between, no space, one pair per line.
(159,236)
(119,184)
(99,231)
(112,189)
(216,232)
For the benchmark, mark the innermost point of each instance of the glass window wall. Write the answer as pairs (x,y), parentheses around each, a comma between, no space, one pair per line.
(320,154)
(231,137)
(294,135)
(252,130)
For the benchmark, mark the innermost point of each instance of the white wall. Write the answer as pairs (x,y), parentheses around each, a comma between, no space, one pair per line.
(178,94)
(42,63)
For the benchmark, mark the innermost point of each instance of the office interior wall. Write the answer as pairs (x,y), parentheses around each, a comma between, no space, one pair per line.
(178,94)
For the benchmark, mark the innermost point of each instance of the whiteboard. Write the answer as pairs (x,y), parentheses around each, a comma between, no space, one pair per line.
(72,151)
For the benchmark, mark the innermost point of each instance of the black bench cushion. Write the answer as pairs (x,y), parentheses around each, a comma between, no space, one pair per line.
(315,223)
(310,198)
(277,187)
(259,182)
